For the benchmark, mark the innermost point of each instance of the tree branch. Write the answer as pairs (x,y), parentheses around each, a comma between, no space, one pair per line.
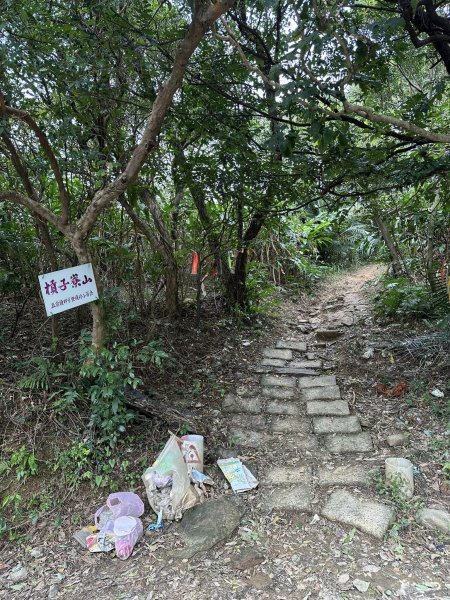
(252,68)
(22,115)
(35,207)
(371,115)
(205,15)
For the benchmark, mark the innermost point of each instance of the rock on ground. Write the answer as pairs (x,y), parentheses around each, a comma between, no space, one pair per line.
(205,525)
(397,439)
(434,519)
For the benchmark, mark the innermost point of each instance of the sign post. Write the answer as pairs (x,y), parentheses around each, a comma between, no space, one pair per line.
(68,288)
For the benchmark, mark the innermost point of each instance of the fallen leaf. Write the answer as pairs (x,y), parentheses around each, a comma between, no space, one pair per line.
(426,586)
(361,585)
(349,537)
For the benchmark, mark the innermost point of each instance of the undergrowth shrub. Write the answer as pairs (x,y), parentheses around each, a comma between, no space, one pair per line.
(105,376)
(402,298)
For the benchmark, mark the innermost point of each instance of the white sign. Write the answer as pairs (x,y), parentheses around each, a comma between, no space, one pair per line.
(68,288)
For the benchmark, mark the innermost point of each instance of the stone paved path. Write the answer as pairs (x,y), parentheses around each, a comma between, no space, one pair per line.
(320,458)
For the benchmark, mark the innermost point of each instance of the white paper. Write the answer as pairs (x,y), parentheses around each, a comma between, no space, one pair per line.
(239,477)
(68,288)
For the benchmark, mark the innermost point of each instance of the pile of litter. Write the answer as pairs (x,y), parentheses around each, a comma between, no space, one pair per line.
(174,483)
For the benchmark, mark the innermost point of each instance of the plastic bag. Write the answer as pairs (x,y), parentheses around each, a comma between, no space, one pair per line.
(117,505)
(167,483)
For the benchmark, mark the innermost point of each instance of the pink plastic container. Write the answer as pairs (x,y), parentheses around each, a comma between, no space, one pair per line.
(128,530)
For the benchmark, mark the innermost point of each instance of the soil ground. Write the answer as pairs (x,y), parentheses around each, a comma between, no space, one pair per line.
(271,555)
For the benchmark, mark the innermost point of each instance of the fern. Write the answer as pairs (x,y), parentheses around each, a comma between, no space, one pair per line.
(43,374)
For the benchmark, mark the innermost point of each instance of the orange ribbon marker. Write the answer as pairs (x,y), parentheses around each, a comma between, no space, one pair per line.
(195,261)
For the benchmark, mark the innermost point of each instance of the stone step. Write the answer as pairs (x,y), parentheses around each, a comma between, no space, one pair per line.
(279,353)
(321,393)
(357,474)
(278,381)
(258,439)
(236,404)
(256,422)
(306,364)
(273,362)
(321,381)
(248,438)
(328,335)
(280,393)
(296,497)
(292,345)
(287,475)
(351,442)
(278,407)
(291,425)
(323,425)
(294,371)
(247,390)
(325,407)
(370,517)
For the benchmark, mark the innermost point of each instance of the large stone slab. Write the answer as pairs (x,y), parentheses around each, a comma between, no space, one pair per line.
(255,422)
(322,381)
(328,335)
(352,442)
(297,497)
(349,424)
(248,438)
(280,393)
(278,407)
(273,362)
(299,443)
(321,393)
(306,364)
(279,353)
(287,475)
(208,524)
(292,345)
(291,425)
(333,407)
(344,475)
(278,381)
(236,404)
(370,517)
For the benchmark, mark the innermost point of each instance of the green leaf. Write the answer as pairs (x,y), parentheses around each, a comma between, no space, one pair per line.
(349,537)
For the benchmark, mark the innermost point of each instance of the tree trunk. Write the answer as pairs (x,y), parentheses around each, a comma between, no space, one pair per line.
(161,245)
(431,274)
(172,304)
(97,311)
(398,265)
(240,278)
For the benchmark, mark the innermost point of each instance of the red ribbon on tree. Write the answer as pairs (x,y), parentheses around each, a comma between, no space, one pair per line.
(195,262)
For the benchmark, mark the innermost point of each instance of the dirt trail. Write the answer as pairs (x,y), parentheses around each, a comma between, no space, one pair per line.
(285,547)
